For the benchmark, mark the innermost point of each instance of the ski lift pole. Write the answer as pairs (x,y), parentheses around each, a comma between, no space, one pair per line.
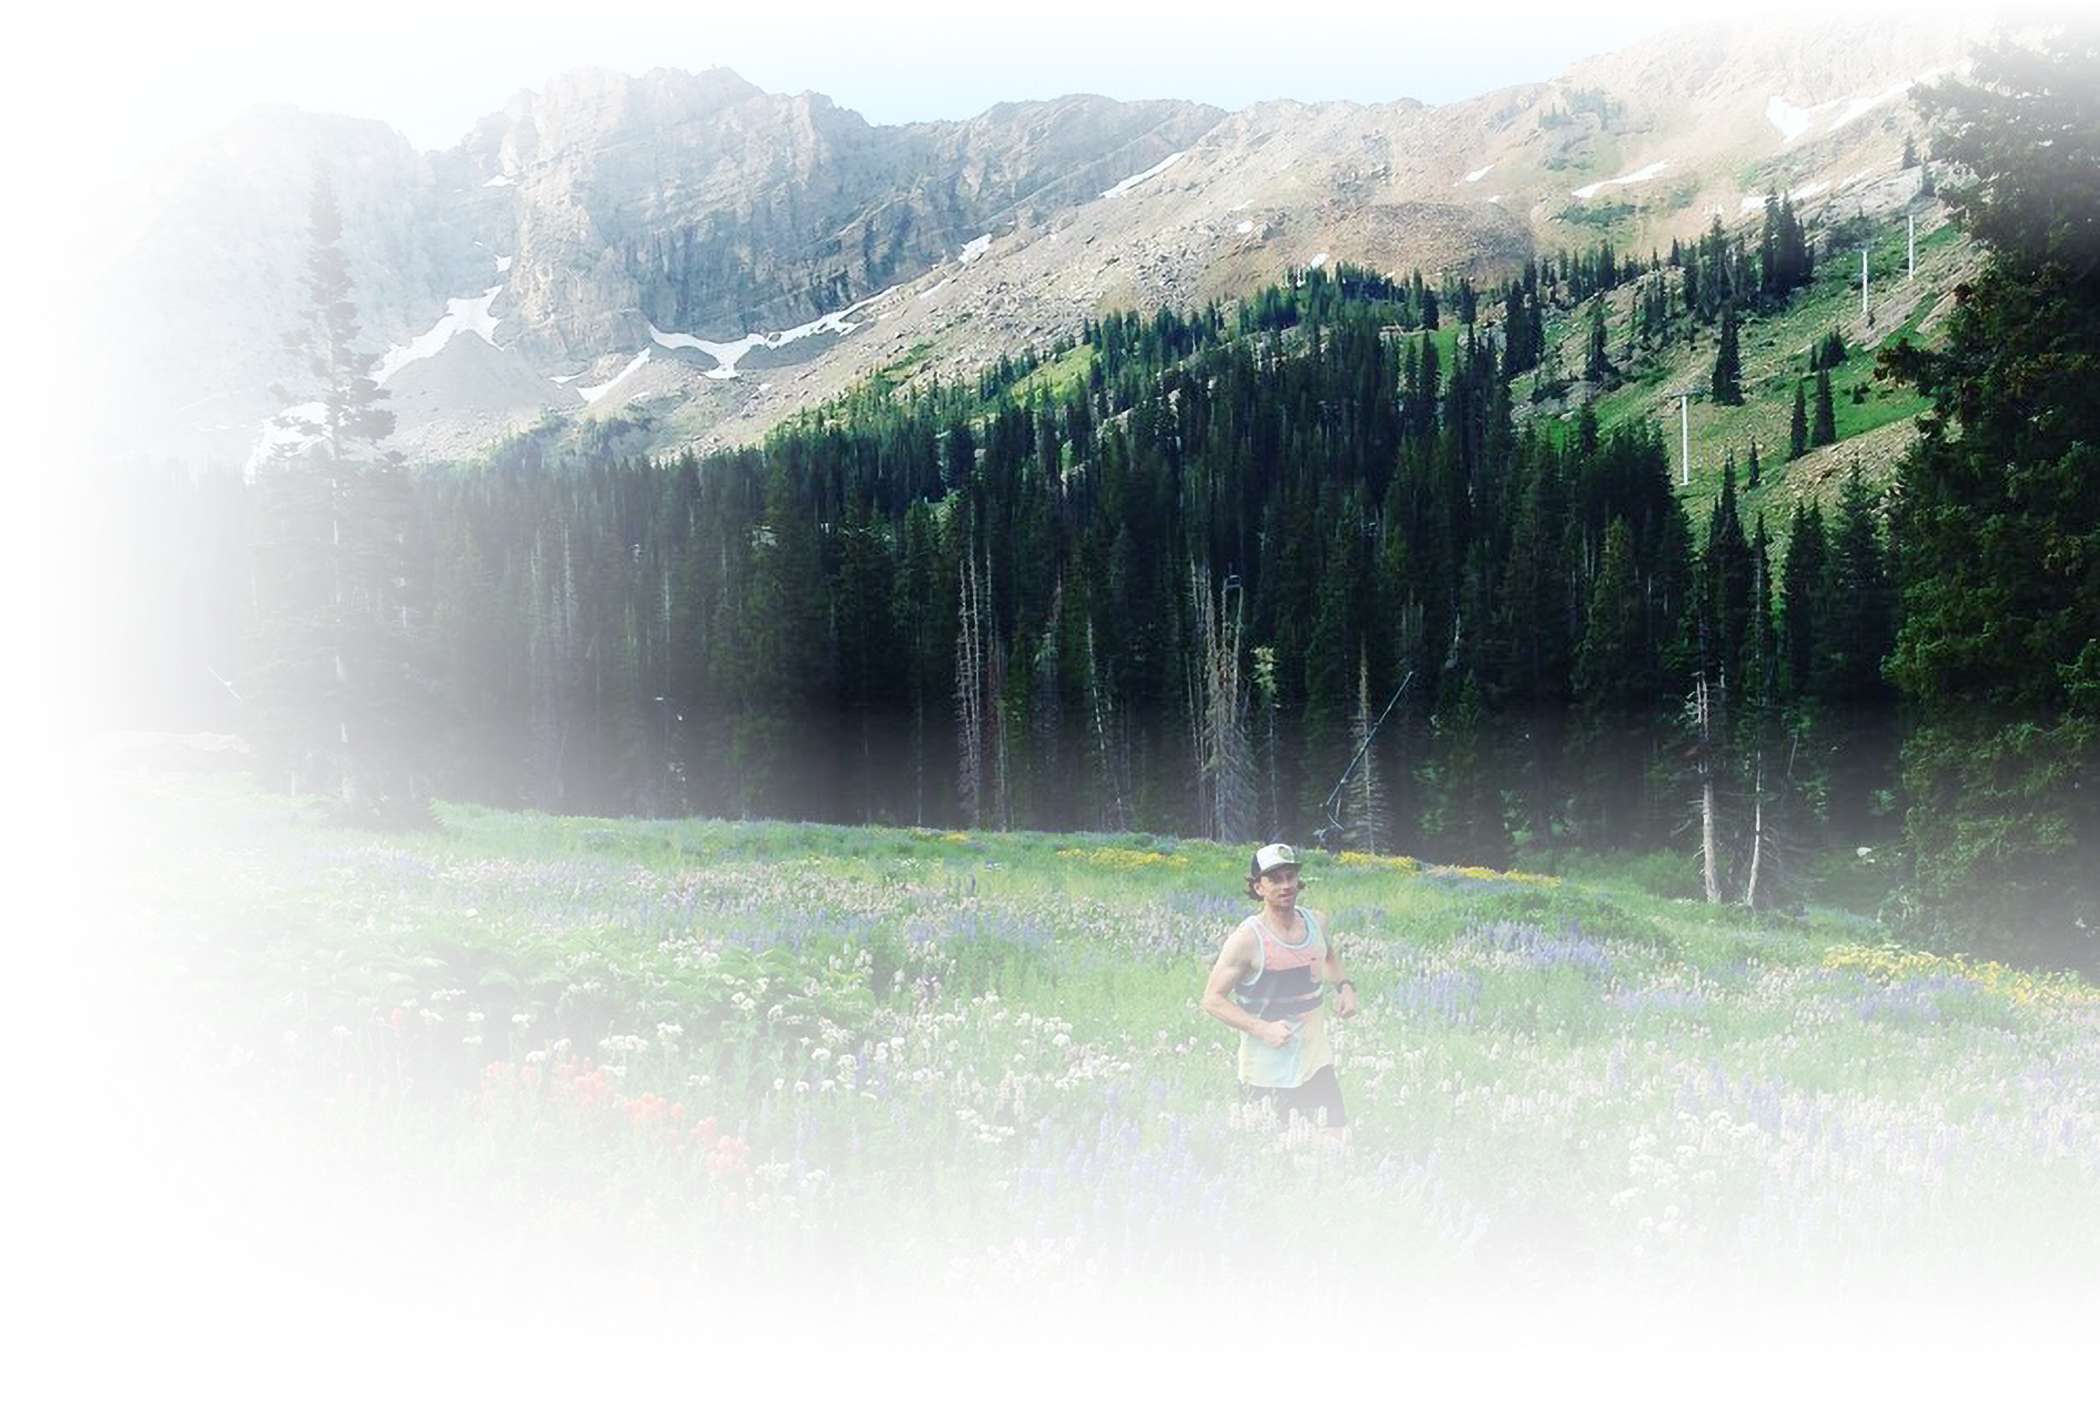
(1334,797)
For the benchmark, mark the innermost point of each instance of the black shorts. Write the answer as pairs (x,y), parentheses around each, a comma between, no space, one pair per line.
(1321,1092)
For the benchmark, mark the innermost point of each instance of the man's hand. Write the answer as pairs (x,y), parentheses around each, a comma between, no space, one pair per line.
(1275,1034)
(1345,1000)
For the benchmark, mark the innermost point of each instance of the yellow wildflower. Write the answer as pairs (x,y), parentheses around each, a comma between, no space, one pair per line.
(1893,962)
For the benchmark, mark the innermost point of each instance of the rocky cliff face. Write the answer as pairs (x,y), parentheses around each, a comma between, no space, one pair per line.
(707,207)
(725,255)
(602,208)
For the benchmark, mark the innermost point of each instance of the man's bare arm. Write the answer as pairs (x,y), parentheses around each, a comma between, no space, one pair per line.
(1344,990)
(1235,962)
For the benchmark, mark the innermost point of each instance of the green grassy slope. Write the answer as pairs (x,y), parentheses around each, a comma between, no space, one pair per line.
(1775,356)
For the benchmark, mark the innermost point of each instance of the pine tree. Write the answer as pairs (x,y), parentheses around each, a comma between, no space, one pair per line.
(867,649)
(1797,429)
(1728,362)
(1997,657)
(1610,687)
(1465,802)
(1772,844)
(1726,585)
(1803,598)
(1824,431)
(784,671)
(1856,637)
(347,645)
(1596,364)
(346,422)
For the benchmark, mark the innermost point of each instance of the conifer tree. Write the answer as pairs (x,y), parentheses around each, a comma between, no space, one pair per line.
(1797,428)
(785,663)
(1803,599)
(1857,636)
(1823,431)
(1611,692)
(346,611)
(867,650)
(1465,801)
(1769,837)
(1727,377)
(1997,656)
(1596,364)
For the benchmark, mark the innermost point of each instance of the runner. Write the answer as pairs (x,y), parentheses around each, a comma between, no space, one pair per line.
(1269,984)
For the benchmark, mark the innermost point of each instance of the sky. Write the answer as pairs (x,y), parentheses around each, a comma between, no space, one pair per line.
(432,70)
(120,95)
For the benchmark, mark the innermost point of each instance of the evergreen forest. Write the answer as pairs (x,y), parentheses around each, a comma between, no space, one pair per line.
(1313,565)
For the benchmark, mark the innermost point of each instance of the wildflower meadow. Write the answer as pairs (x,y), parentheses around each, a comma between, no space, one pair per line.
(821,1061)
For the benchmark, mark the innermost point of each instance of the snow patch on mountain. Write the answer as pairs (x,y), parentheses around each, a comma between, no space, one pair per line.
(295,428)
(496,182)
(975,248)
(1753,203)
(1646,172)
(594,392)
(1125,186)
(1860,106)
(727,353)
(1792,121)
(463,315)
(1473,177)
(503,264)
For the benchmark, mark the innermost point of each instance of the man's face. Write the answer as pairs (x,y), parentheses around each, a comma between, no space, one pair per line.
(1281,884)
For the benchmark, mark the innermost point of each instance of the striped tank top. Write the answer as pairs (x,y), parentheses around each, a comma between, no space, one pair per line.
(1285,986)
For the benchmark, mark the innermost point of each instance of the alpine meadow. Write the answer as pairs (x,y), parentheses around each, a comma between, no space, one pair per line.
(704,780)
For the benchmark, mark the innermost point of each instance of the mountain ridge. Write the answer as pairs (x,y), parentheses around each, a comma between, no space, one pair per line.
(627,221)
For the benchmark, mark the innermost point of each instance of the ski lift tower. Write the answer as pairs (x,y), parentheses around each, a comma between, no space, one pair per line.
(1684,430)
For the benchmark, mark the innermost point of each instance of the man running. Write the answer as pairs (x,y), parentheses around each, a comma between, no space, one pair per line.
(1269,984)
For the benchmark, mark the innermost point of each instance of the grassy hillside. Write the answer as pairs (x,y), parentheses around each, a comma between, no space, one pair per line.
(1775,349)
(977,1058)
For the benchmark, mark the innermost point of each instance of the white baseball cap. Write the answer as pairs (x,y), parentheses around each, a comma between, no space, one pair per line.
(1273,855)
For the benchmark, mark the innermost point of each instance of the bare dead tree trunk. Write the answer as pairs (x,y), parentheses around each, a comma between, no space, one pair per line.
(1218,691)
(1234,754)
(1708,854)
(1265,687)
(1114,811)
(1196,681)
(1046,711)
(995,705)
(969,695)
(1757,829)
(1369,802)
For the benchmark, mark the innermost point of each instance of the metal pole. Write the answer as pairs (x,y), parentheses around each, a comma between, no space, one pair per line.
(1684,423)
(1333,829)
